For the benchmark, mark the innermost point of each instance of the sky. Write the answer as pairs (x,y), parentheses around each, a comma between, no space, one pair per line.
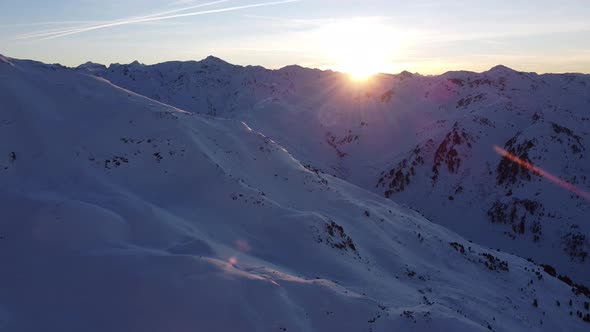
(360,37)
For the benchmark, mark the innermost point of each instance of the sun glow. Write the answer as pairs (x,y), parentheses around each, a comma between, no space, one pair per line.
(360,47)
(359,69)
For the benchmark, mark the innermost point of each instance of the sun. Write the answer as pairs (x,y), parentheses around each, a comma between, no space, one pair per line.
(360,47)
(360,69)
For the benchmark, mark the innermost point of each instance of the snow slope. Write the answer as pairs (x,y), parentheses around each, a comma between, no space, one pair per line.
(430,142)
(124,214)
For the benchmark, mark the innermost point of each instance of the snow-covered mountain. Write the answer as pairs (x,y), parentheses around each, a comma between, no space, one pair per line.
(438,144)
(122,213)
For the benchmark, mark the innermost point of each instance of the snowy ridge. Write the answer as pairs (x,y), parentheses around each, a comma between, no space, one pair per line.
(425,141)
(4,60)
(125,214)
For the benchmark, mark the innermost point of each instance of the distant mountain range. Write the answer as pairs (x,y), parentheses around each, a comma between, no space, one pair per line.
(206,196)
(430,142)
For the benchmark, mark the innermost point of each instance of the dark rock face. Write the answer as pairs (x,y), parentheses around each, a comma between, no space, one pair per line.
(509,171)
(448,154)
(521,214)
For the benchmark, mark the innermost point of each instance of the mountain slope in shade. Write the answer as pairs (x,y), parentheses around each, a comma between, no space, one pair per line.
(124,214)
(430,142)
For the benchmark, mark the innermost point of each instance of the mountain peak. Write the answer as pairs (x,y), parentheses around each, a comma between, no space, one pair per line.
(214,60)
(501,69)
(91,66)
(405,75)
(292,67)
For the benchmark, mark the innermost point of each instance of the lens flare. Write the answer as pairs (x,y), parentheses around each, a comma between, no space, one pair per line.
(242,245)
(233,261)
(543,173)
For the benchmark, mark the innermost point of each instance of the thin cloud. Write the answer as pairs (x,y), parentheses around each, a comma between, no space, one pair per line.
(128,20)
(151,18)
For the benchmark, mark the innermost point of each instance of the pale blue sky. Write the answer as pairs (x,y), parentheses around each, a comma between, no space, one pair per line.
(425,36)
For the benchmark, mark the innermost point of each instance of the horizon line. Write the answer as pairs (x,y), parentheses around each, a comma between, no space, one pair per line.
(327,69)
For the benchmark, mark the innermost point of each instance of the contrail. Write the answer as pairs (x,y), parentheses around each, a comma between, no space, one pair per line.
(158,17)
(54,31)
(180,9)
(120,21)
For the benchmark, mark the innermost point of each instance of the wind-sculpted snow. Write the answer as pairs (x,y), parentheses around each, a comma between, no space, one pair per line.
(431,142)
(121,213)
